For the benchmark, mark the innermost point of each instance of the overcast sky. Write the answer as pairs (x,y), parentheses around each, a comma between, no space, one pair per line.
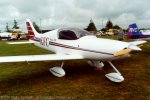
(74,13)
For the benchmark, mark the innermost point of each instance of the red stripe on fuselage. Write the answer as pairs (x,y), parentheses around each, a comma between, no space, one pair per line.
(75,48)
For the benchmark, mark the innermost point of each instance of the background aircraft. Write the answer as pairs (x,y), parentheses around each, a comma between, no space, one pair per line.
(5,36)
(10,36)
(135,34)
(73,44)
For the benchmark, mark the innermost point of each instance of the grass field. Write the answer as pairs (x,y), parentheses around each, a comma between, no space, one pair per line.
(81,82)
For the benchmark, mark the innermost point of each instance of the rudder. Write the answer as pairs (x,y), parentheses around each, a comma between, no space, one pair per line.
(133,31)
(31,30)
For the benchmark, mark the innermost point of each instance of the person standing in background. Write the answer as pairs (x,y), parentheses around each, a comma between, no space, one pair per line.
(120,35)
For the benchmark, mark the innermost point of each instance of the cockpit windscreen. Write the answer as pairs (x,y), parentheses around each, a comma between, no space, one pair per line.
(72,33)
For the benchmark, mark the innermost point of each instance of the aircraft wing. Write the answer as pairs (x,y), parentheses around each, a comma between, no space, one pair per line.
(47,57)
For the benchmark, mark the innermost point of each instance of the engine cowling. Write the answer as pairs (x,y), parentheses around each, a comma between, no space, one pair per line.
(96,64)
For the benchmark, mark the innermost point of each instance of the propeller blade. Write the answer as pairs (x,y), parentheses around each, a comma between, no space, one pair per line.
(122,52)
(134,47)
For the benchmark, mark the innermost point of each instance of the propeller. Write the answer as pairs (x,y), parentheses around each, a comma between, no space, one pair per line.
(130,48)
(134,47)
(122,52)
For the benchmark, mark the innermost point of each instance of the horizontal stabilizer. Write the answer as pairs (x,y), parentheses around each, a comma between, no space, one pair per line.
(25,42)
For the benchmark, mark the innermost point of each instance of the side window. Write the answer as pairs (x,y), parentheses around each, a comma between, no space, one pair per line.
(67,35)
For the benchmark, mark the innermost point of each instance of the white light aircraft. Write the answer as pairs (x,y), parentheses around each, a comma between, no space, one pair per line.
(75,44)
(5,35)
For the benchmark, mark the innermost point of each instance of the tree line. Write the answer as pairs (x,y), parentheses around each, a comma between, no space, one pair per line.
(90,27)
(109,25)
(15,26)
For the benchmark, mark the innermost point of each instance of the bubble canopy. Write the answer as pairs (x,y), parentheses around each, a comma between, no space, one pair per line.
(72,33)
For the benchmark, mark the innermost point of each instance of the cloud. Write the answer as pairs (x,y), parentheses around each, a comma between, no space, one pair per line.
(74,13)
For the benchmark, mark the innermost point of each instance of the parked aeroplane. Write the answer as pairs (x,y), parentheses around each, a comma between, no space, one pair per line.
(11,36)
(74,44)
(135,34)
(5,36)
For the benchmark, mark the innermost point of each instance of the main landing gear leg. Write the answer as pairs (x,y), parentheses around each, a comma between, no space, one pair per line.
(115,77)
(58,70)
(62,64)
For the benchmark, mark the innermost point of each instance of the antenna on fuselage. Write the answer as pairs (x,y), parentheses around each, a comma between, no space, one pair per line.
(40,26)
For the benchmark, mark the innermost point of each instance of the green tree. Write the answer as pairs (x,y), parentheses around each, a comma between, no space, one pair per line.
(7,28)
(109,25)
(15,25)
(116,27)
(91,26)
(103,29)
(37,28)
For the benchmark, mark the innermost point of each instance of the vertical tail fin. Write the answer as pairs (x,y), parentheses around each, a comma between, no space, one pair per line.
(31,30)
(133,31)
